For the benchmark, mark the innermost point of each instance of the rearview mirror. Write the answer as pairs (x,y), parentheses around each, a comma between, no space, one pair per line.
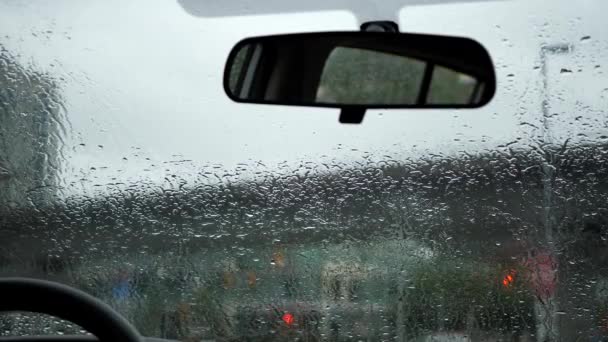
(356,71)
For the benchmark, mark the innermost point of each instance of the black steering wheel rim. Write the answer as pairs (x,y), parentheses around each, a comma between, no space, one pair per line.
(96,317)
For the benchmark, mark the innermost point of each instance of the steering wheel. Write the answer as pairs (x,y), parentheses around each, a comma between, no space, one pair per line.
(24,294)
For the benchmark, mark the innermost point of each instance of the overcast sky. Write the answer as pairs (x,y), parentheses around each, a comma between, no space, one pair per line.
(142,84)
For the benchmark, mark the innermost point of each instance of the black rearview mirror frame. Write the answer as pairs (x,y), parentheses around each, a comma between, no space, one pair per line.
(457,53)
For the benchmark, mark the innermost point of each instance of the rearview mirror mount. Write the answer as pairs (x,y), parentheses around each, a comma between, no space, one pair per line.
(356,71)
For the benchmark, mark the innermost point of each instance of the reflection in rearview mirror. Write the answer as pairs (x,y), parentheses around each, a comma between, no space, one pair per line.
(361,70)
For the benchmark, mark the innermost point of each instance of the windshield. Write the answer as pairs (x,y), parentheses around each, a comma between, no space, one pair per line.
(125,171)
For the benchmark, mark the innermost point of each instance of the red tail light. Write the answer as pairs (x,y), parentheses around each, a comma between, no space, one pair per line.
(508,280)
(288,318)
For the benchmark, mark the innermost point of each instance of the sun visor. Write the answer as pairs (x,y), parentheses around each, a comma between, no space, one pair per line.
(364,9)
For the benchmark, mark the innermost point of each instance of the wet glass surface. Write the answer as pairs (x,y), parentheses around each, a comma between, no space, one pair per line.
(127,173)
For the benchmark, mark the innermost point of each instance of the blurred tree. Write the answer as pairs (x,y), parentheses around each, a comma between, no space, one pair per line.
(30,106)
